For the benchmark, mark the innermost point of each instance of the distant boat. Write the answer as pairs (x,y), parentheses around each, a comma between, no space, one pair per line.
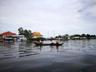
(47,44)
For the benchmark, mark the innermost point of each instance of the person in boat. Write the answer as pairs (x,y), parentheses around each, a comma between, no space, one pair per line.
(41,42)
(52,42)
(57,42)
(40,45)
(57,45)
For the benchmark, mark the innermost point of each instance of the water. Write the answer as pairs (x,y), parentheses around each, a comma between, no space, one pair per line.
(73,56)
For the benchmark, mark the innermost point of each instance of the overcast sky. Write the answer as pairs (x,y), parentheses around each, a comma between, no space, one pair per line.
(50,17)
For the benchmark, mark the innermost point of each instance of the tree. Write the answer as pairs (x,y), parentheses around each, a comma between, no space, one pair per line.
(21,31)
(66,37)
(88,36)
(83,35)
(26,33)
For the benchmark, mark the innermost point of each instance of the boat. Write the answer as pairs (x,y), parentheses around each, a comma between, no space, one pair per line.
(48,44)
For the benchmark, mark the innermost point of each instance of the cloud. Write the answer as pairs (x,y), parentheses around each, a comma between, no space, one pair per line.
(89,10)
(47,16)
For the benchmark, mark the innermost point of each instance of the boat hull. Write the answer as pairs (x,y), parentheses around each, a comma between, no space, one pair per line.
(49,44)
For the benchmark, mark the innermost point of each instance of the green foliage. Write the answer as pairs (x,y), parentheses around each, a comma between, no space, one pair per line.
(26,33)
(76,37)
(21,31)
(66,36)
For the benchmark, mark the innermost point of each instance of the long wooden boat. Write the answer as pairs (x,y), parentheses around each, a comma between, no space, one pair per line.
(48,44)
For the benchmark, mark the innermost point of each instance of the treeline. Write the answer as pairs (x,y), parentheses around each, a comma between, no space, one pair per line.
(84,36)
(76,36)
(29,37)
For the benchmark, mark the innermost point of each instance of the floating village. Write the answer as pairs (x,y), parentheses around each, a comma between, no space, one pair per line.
(38,39)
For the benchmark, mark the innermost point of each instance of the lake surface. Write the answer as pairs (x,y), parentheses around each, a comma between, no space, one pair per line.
(73,56)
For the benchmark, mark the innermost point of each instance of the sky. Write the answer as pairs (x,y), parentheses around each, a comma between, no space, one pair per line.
(50,17)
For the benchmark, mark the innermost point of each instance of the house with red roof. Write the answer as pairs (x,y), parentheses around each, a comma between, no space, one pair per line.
(7,34)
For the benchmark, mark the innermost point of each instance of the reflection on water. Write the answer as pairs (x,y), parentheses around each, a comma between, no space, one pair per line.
(23,49)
